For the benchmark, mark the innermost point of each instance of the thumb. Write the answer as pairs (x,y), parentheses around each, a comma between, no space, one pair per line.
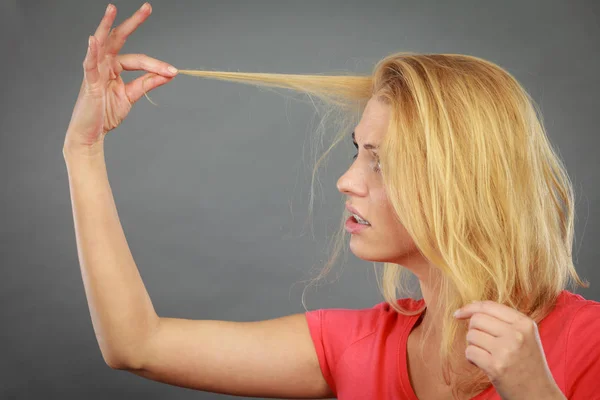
(143,84)
(91,74)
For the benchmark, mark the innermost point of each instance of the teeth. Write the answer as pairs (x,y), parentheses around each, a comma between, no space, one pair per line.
(360,220)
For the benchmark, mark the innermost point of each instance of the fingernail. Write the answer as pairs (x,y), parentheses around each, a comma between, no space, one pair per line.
(172,69)
(108,8)
(90,41)
(145,7)
(457,312)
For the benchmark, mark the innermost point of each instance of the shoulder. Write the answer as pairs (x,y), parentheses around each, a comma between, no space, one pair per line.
(342,327)
(569,308)
(582,348)
(339,333)
(361,320)
(346,322)
(584,324)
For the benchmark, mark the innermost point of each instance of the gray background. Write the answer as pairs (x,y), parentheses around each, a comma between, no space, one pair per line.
(212,185)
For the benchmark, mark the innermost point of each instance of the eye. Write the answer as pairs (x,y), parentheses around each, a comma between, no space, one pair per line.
(377,167)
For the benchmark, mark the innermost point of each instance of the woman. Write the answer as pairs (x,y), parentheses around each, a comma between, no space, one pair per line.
(454,180)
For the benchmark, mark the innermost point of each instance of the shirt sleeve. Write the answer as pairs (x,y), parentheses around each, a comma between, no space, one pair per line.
(582,356)
(334,330)
(315,326)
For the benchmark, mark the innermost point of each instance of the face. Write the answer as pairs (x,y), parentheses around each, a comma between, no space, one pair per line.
(385,240)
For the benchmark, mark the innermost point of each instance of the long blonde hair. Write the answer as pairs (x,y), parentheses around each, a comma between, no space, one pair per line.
(471,175)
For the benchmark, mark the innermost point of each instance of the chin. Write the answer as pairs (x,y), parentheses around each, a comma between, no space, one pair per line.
(368,253)
(365,251)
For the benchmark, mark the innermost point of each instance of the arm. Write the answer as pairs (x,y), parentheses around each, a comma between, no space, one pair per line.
(274,358)
(121,310)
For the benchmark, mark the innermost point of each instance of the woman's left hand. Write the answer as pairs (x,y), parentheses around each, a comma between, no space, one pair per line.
(506,345)
(104,99)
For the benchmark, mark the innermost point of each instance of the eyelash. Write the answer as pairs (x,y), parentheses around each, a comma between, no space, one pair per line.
(377,166)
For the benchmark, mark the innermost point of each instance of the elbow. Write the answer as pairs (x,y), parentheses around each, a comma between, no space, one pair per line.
(129,357)
(122,363)
(115,362)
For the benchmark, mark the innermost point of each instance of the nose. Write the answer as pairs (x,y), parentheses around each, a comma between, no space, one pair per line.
(352,183)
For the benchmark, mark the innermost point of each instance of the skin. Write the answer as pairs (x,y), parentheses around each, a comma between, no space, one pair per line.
(104,101)
(386,240)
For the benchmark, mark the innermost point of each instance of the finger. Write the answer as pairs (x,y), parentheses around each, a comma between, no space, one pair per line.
(489,324)
(492,308)
(478,357)
(481,339)
(119,35)
(143,84)
(90,63)
(101,33)
(137,62)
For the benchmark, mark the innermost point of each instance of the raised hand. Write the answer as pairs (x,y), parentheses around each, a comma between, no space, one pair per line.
(104,99)
(506,345)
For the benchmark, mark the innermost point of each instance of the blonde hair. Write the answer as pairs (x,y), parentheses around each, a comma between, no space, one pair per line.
(471,175)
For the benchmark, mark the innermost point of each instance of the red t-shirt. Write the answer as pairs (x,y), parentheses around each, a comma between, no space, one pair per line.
(362,353)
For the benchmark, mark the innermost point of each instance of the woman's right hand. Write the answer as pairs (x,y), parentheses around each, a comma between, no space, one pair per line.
(104,99)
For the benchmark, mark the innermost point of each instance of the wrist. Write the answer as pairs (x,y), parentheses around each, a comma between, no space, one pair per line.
(82,152)
(551,393)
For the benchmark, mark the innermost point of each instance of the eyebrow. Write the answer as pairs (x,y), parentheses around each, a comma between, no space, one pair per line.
(367,146)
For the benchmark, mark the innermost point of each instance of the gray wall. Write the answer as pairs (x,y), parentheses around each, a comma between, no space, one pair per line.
(212,185)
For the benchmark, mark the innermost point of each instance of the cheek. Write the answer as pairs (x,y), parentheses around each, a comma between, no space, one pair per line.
(397,243)
(386,216)
(381,200)
(385,212)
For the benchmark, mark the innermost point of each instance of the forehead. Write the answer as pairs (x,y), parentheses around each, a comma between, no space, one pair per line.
(373,123)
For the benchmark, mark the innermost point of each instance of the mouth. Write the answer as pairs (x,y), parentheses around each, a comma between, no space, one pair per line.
(360,220)
(353,226)
(356,215)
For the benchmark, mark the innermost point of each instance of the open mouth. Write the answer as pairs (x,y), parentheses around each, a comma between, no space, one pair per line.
(353,225)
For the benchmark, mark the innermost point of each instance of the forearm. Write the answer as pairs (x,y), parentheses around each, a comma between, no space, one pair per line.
(120,307)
